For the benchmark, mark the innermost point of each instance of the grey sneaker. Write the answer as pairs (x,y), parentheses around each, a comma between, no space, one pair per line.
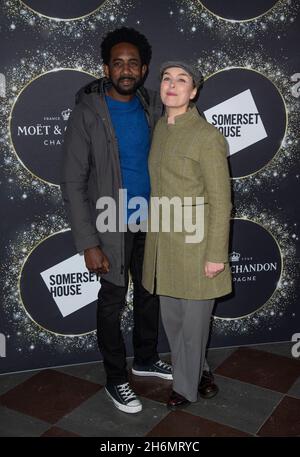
(160,369)
(124,398)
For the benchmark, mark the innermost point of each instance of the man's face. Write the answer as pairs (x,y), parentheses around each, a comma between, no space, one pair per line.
(125,69)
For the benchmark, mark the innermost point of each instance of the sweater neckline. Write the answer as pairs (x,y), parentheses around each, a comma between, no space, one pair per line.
(119,105)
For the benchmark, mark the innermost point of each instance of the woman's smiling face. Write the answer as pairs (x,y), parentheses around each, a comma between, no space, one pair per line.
(177,88)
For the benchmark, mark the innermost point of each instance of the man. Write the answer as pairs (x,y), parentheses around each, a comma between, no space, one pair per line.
(106,149)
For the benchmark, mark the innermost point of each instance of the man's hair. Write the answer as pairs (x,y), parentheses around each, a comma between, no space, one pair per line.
(126,35)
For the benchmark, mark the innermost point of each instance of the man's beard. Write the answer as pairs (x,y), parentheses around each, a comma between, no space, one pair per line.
(130,90)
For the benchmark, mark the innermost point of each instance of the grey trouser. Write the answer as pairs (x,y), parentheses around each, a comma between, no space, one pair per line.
(187,325)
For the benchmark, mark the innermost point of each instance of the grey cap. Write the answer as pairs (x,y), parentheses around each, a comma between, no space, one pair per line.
(188,67)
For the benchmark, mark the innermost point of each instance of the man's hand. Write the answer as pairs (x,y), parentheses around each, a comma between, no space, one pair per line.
(212,269)
(96,261)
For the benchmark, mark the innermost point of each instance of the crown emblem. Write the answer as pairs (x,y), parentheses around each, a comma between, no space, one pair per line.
(234,256)
(66,114)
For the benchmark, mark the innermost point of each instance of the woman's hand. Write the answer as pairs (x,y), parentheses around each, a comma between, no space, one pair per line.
(212,269)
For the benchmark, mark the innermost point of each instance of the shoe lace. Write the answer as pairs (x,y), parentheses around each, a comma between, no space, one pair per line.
(163,365)
(126,392)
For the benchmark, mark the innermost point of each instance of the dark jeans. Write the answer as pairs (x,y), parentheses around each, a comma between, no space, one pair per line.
(111,300)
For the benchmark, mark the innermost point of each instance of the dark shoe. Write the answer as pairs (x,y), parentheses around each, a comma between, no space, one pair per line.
(177,401)
(207,387)
(160,369)
(124,398)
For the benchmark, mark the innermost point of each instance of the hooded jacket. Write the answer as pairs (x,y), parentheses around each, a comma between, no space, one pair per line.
(91,169)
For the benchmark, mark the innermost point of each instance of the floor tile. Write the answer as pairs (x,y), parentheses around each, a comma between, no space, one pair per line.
(216,356)
(181,423)
(295,389)
(70,401)
(15,424)
(99,417)
(261,368)
(242,406)
(59,432)
(49,395)
(285,420)
(281,348)
(8,381)
(151,387)
(93,372)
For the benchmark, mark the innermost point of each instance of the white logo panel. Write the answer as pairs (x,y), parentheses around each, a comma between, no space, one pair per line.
(71,285)
(238,120)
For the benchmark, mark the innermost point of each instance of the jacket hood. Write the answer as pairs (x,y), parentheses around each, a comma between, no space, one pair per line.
(99,86)
(90,94)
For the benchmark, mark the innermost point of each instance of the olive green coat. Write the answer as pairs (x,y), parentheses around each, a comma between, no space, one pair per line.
(188,159)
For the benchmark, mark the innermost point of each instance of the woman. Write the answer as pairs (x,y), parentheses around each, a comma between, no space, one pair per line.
(187,159)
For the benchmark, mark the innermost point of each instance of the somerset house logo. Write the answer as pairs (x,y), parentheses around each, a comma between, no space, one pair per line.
(71,285)
(238,120)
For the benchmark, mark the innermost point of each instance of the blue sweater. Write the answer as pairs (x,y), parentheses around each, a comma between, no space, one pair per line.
(133,135)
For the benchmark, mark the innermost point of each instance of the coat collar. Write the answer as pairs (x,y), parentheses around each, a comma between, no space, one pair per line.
(184,118)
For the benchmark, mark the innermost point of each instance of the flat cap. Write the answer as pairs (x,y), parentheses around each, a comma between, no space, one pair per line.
(188,67)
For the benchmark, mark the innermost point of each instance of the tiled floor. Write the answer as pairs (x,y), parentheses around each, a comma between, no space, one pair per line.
(259,396)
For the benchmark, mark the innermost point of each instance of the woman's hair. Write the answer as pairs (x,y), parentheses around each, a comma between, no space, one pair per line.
(126,35)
